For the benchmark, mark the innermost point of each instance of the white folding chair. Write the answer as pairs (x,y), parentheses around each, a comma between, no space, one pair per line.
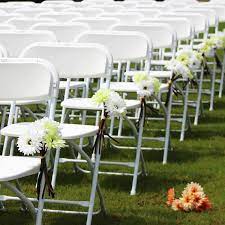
(128,52)
(110,8)
(162,36)
(61,17)
(10,40)
(15,40)
(70,61)
(147,13)
(5,17)
(181,26)
(98,23)
(5,26)
(123,47)
(26,23)
(124,17)
(64,32)
(32,12)
(86,12)
(33,79)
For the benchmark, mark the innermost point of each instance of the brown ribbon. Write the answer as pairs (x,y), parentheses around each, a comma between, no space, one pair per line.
(102,131)
(44,172)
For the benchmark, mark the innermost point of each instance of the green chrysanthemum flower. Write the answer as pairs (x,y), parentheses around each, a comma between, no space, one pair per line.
(139,77)
(101,96)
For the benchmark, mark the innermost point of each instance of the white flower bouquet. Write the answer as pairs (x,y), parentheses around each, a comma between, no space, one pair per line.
(39,137)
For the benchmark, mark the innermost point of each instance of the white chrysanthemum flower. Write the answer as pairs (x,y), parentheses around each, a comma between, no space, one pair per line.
(208,46)
(146,85)
(115,105)
(31,141)
(179,69)
(39,134)
(189,58)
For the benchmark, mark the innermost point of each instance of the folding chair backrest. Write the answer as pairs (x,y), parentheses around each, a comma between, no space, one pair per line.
(2,12)
(182,26)
(5,26)
(210,14)
(8,8)
(61,17)
(64,32)
(111,9)
(73,60)
(86,12)
(15,41)
(5,17)
(98,23)
(27,23)
(161,35)
(124,46)
(147,13)
(3,52)
(124,17)
(26,79)
(219,9)
(32,12)
(198,21)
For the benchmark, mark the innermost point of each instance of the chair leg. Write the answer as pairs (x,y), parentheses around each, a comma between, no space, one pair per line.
(167,135)
(212,87)
(40,203)
(19,194)
(137,158)
(222,78)
(55,168)
(198,103)
(184,119)
(93,188)
(3,120)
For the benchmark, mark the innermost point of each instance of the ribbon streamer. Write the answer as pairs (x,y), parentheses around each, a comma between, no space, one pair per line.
(174,89)
(100,139)
(44,171)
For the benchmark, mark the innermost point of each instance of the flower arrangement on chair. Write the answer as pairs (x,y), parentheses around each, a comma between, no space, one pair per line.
(39,137)
(147,86)
(193,198)
(113,105)
(183,66)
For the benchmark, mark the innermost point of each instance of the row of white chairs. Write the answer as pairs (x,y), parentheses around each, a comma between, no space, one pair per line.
(121,44)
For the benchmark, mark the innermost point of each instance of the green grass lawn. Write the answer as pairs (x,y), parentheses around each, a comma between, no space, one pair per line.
(200,158)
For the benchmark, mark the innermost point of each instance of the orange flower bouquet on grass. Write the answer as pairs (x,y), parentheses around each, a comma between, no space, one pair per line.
(193,199)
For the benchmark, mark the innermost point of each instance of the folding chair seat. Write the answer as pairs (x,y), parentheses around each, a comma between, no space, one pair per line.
(27,23)
(61,17)
(63,32)
(98,23)
(16,167)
